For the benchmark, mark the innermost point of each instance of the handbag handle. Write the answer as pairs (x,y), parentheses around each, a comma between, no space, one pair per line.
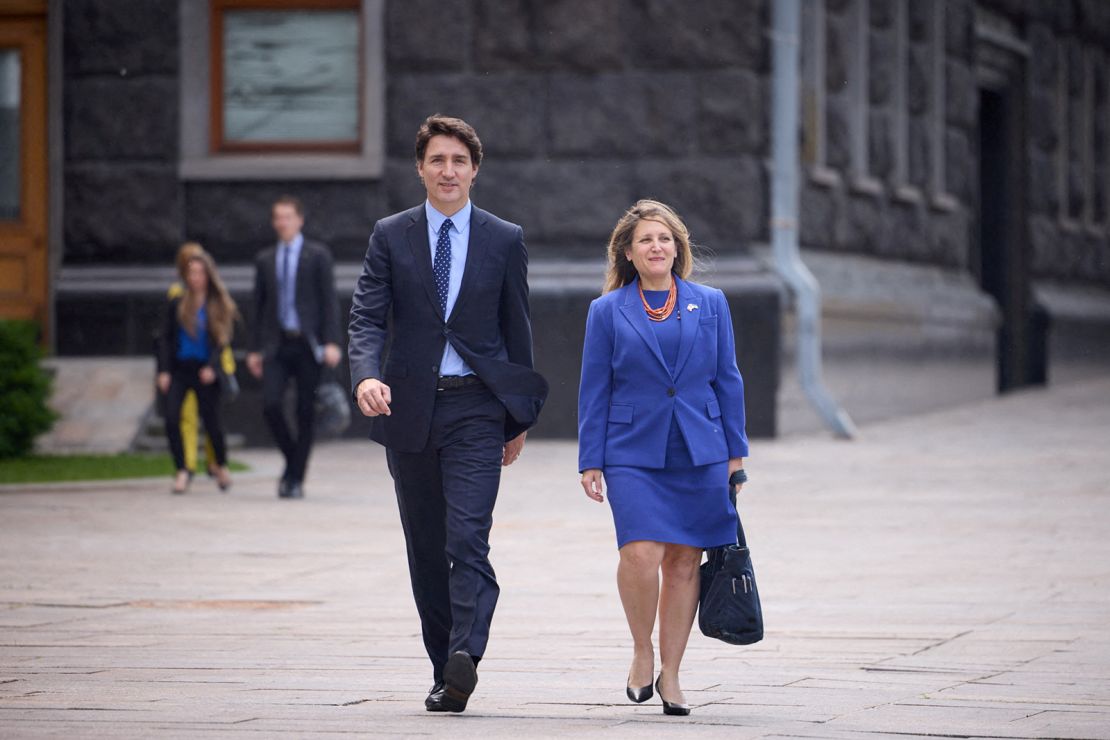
(741,540)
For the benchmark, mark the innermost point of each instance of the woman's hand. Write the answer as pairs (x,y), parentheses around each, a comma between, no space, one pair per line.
(734,464)
(163,383)
(593,484)
(207,375)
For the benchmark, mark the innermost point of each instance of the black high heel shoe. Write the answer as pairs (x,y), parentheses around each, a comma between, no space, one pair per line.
(639,695)
(678,710)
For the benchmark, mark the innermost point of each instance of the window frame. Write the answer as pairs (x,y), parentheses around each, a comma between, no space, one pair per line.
(205,157)
(217,142)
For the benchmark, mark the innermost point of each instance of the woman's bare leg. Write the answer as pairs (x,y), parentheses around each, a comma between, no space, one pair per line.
(638,584)
(678,601)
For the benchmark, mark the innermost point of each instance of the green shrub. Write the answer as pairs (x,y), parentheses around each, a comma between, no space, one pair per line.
(24,389)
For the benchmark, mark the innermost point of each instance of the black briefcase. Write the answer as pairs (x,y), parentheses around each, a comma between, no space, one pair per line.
(729,607)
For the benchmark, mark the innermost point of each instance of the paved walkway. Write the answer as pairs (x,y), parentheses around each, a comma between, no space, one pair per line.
(946,575)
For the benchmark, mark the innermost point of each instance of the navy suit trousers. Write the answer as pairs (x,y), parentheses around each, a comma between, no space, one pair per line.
(446,494)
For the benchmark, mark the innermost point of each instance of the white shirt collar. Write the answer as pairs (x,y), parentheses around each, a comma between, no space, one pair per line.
(296,244)
(461,219)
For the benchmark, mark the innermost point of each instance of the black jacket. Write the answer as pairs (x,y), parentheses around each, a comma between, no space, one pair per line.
(489,325)
(317,305)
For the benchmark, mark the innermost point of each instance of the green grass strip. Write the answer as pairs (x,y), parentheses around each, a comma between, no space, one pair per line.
(63,468)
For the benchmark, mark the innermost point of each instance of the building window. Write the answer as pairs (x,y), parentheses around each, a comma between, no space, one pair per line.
(285,75)
(1102,141)
(900,105)
(859,100)
(814,93)
(10,134)
(1072,141)
(282,89)
(1094,128)
(938,109)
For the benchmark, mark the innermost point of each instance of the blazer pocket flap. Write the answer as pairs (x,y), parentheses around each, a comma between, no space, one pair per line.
(713,408)
(620,413)
(708,321)
(397,370)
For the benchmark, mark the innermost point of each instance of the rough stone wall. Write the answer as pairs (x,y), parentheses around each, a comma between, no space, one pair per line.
(838,216)
(122,196)
(1069,226)
(583,106)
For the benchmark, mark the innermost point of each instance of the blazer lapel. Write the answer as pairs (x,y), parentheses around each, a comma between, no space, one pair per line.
(688,323)
(274,278)
(633,310)
(417,233)
(476,250)
(299,278)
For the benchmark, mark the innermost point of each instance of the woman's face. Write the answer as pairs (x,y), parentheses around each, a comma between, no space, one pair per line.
(653,250)
(197,277)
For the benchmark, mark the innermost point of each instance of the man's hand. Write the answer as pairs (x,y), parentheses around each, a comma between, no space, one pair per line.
(332,355)
(373,397)
(163,383)
(593,484)
(254,364)
(207,375)
(513,448)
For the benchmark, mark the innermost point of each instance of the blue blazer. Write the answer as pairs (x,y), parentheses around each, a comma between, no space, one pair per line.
(398,331)
(628,395)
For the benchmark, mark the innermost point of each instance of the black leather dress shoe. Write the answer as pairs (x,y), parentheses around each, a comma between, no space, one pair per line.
(434,696)
(293,489)
(460,676)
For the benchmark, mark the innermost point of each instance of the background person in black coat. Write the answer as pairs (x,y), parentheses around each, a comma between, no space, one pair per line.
(453,396)
(197,327)
(296,328)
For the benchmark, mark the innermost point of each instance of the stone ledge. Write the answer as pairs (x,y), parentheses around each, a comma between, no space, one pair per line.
(857,287)
(129,298)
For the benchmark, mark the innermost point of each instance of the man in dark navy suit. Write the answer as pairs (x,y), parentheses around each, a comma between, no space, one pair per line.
(296,330)
(441,357)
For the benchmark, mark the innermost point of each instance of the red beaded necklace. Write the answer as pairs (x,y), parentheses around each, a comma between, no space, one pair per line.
(663,312)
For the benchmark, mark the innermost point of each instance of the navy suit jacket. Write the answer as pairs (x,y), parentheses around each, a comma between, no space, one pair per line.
(628,395)
(317,304)
(395,303)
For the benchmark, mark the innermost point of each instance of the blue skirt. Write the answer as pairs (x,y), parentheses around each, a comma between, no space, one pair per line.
(682,503)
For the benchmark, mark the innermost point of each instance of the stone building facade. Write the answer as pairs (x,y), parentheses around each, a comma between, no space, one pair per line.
(584,106)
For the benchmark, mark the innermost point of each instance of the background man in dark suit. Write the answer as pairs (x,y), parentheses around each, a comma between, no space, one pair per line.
(296,328)
(452,398)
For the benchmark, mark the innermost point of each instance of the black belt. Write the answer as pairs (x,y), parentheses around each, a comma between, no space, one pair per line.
(453,382)
(290,334)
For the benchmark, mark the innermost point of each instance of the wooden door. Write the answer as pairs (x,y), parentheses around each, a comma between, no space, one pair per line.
(23,196)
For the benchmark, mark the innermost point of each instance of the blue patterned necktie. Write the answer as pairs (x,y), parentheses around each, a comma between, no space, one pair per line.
(441,267)
(288,291)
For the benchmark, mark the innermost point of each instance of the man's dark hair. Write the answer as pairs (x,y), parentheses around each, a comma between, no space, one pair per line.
(440,125)
(290,200)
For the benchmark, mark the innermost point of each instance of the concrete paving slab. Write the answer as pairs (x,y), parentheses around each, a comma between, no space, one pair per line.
(945,575)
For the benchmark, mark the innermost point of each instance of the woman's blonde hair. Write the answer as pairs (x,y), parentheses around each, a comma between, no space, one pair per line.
(620,270)
(222,311)
(186,252)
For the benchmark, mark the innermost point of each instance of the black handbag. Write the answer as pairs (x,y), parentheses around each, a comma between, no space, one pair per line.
(229,385)
(333,409)
(728,608)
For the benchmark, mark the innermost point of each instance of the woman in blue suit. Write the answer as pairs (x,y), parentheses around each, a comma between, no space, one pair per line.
(661,424)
